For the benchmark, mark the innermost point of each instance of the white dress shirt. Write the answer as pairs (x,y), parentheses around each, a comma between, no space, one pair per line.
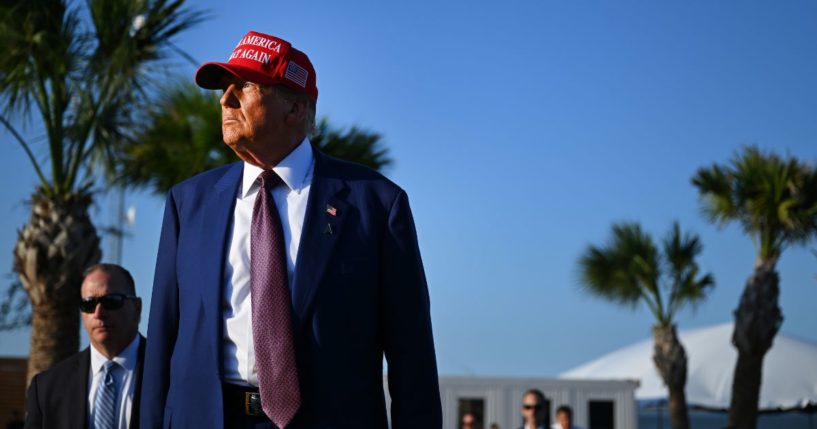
(290,199)
(125,379)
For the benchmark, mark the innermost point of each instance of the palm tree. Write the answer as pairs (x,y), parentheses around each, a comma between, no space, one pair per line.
(630,269)
(354,145)
(775,202)
(182,137)
(85,73)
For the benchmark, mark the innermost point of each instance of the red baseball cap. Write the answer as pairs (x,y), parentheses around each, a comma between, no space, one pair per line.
(263,59)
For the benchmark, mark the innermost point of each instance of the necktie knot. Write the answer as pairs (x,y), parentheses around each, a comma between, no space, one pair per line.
(268,179)
(108,370)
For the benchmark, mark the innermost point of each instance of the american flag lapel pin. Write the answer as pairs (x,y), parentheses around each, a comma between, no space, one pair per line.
(331,211)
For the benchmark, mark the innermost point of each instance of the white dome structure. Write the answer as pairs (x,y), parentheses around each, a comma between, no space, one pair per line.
(789,370)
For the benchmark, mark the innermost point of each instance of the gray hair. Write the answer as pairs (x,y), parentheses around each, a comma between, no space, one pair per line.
(288,94)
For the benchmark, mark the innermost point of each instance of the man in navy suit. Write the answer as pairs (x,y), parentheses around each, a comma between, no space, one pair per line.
(282,280)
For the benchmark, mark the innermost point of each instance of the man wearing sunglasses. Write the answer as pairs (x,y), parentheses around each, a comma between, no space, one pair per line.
(98,387)
(534,410)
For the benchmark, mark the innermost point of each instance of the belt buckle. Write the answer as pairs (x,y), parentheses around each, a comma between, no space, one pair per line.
(252,404)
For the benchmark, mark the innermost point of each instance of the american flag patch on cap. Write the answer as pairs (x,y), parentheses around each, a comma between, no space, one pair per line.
(296,74)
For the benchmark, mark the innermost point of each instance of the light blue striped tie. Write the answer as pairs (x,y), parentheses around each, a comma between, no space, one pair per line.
(105,401)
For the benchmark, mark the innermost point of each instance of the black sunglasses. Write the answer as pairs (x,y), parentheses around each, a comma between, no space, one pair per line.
(532,407)
(111,301)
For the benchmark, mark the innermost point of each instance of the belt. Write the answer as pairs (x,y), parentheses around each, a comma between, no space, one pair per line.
(245,398)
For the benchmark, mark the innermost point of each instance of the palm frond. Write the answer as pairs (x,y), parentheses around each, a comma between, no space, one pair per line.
(42,38)
(626,270)
(773,199)
(683,281)
(181,138)
(85,76)
(630,269)
(354,145)
(715,186)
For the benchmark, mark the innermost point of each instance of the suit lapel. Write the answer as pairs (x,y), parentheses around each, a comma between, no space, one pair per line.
(323,226)
(214,232)
(322,230)
(78,417)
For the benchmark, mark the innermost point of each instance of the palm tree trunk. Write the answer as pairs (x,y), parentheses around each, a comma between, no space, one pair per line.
(670,359)
(52,251)
(757,320)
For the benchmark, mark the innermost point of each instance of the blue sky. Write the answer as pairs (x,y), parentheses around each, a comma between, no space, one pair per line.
(521,131)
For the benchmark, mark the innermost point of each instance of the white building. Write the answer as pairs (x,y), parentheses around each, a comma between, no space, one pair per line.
(596,404)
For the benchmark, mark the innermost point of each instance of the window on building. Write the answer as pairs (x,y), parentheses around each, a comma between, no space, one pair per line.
(601,415)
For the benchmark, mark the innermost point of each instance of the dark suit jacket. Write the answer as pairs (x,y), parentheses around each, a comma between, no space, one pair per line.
(58,397)
(359,292)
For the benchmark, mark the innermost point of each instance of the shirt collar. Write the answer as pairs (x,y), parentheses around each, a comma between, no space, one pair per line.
(126,359)
(295,170)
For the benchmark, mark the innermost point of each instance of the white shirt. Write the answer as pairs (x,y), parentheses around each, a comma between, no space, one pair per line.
(124,379)
(290,199)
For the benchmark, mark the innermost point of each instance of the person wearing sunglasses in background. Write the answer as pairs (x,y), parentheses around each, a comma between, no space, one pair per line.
(98,387)
(533,410)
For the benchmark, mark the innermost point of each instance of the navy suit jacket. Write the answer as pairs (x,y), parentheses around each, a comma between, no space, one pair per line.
(359,292)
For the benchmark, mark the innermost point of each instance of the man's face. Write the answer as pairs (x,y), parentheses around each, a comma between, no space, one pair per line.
(254,120)
(532,408)
(109,329)
(468,421)
(564,420)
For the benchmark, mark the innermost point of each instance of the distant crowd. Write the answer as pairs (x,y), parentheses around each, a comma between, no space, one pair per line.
(535,415)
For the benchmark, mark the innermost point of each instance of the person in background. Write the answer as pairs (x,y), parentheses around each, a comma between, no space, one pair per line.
(564,418)
(533,410)
(469,421)
(100,386)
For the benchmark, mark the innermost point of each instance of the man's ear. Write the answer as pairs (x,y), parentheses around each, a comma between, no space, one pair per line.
(138,303)
(296,113)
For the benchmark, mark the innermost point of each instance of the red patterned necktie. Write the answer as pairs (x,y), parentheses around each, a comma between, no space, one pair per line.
(271,309)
